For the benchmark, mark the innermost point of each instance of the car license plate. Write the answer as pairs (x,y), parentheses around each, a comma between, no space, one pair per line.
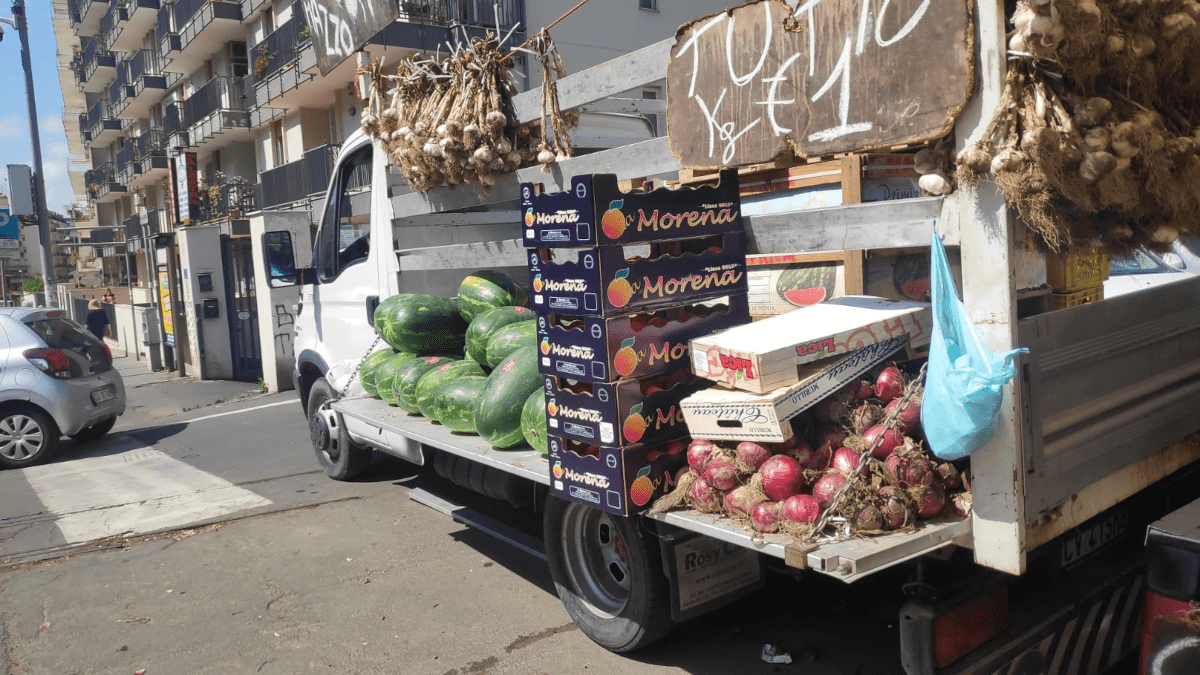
(101,395)
(1093,535)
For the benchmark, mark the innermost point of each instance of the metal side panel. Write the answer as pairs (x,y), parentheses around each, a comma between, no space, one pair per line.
(525,463)
(1109,385)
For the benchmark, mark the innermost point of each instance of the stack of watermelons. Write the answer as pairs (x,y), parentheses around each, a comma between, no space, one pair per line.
(495,391)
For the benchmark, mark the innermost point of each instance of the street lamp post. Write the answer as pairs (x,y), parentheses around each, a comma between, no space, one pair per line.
(39,184)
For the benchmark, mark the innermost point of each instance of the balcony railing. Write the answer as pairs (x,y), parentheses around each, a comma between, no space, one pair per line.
(173,119)
(116,90)
(232,198)
(100,118)
(102,180)
(485,13)
(135,229)
(85,129)
(107,23)
(219,93)
(164,29)
(75,12)
(297,181)
(149,143)
(185,10)
(282,46)
(142,63)
(125,164)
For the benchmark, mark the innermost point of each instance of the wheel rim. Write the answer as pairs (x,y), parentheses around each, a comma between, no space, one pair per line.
(597,559)
(321,436)
(21,437)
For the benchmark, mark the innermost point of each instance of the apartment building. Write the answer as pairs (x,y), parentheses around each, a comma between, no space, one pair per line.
(225,98)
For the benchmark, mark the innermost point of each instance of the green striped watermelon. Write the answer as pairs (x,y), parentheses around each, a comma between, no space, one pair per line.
(485,325)
(454,403)
(508,339)
(408,375)
(804,285)
(423,324)
(498,411)
(533,422)
(431,381)
(488,289)
(385,376)
(366,372)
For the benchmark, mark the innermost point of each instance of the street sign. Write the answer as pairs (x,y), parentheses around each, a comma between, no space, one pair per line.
(10,236)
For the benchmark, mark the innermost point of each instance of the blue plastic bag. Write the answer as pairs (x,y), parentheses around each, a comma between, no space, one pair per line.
(964,381)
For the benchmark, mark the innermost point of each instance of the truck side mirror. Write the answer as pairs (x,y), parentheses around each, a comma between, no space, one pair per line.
(280,259)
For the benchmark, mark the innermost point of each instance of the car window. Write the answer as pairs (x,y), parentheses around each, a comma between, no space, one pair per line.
(85,352)
(345,236)
(1137,262)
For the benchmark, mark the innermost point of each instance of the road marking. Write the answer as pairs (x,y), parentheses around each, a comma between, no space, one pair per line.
(133,493)
(238,412)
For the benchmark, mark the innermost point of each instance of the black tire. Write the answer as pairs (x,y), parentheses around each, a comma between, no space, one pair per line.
(341,459)
(609,576)
(96,431)
(28,436)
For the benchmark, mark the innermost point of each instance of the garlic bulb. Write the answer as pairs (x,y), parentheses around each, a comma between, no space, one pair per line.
(925,161)
(1165,235)
(935,183)
(1096,165)
(1096,139)
(545,156)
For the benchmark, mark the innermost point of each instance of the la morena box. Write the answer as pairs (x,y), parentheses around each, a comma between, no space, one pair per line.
(624,481)
(621,413)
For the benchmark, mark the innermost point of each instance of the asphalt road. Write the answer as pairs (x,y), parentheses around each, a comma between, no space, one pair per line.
(209,542)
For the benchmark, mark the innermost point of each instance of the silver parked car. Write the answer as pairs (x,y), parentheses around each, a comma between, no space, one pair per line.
(56,379)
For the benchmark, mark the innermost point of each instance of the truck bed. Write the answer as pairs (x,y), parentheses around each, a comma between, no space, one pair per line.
(848,559)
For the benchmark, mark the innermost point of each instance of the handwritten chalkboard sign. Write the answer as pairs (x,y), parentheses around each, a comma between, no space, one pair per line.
(341,28)
(829,76)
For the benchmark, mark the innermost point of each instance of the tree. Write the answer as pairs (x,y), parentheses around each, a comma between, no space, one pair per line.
(34,285)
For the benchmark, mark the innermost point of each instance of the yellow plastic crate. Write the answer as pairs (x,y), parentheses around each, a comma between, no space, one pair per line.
(1065,300)
(1077,270)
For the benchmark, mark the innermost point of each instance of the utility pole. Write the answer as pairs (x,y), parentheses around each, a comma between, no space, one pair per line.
(39,183)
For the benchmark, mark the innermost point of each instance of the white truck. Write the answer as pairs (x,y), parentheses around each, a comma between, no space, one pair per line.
(1097,435)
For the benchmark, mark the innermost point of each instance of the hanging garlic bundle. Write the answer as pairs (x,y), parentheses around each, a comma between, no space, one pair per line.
(559,147)
(931,164)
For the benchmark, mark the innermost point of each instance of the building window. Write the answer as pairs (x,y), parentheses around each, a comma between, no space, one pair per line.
(648,4)
(268,21)
(277,143)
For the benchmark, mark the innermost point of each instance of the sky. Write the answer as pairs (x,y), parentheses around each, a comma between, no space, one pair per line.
(15,147)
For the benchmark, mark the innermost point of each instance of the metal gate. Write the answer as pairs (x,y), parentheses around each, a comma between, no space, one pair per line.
(238,263)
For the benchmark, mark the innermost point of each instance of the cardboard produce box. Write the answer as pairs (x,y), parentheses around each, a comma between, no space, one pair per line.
(785,282)
(602,281)
(763,356)
(595,212)
(724,414)
(620,414)
(596,349)
(623,481)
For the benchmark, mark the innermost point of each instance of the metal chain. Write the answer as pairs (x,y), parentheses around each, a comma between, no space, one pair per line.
(370,350)
(889,422)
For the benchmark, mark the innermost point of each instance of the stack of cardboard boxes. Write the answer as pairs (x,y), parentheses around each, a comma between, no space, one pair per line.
(621,282)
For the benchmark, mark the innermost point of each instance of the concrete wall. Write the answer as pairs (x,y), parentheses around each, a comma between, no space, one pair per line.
(200,253)
(276,319)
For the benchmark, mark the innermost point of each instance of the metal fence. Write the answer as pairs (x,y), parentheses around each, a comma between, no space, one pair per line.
(221,92)
(282,46)
(299,180)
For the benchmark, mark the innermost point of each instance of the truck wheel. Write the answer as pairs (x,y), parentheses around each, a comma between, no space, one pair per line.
(608,574)
(341,459)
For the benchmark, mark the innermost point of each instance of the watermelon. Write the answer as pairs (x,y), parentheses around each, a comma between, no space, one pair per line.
(381,311)
(423,324)
(385,376)
(533,422)
(485,325)
(804,285)
(366,371)
(408,375)
(488,289)
(509,338)
(498,411)
(454,403)
(431,381)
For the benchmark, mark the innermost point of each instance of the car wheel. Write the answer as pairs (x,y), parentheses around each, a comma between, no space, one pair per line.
(95,431)
(27,436)
(608,574)
(341,459)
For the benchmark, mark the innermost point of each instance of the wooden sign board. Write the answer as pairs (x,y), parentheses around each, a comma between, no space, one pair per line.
(341,28)
(748,84)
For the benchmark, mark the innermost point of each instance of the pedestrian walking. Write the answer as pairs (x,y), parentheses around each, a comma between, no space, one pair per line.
(97,320)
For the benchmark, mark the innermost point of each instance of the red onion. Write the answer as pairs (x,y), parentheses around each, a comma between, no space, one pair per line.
(703,498)
(698,452)
(908,470)
(949,474)
(932,502)
(819,461)
(830,409)
(909,418)
(720,473)
(801,452)
(845,461)
(889,384)
(862,389)
(801,509)
(892,439)
(868,518)
(782,477)
(831,434)
(865,416)
(897,510)
(765,517)
(960,504)
(827,486)
(739,500)
(752,454)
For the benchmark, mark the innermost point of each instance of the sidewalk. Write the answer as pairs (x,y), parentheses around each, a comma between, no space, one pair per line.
(150,396)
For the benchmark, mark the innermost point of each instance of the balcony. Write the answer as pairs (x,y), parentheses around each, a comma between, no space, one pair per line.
(103,125)
(297,182)
(95,66)
(102,185)
(125,163)
(150,161)
(85,130)
(85,15)
(231,199)
(279,62)
(174,126)
(142,225)
(117,91)
(218,20)
(476,16)
(218,108)
(146,84)
(109,30)
(249,7)
(135,18)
